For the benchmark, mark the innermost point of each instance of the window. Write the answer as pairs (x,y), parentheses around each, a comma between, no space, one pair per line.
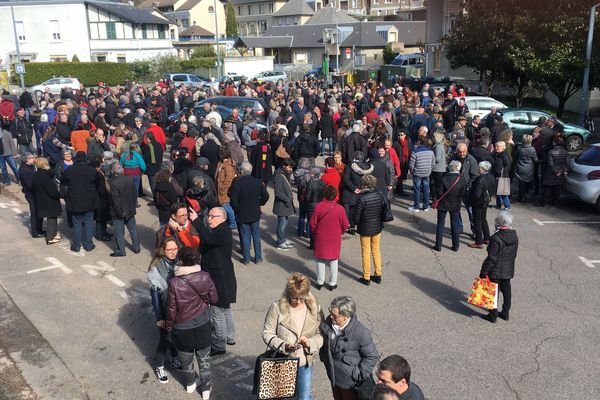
(270,8)
(590,156)
(172,34)
(161,32)
(388,1)
(179,78)
(121,58)
(437,58)
(20,28)
(101,58)
(375,1)
(54,30)
(488,104)
(249,10)
(515,118)
(239,10)
(185,23)
(211,10)
(58,59)
(535,116)
(354,4)
(263,26)
(144,31)
(111,30)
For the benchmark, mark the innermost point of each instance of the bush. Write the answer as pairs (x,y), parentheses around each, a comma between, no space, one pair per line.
(75,58)
(88,73)
(204,51)
(205,62)
(162,64)
(141,71)
(388,54)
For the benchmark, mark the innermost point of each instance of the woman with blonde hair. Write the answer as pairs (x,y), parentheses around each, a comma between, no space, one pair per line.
(292,327)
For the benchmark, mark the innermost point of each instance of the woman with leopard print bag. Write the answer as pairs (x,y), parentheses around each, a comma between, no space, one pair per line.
(292,327)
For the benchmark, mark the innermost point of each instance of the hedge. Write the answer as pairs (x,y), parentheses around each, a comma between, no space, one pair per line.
(88,73)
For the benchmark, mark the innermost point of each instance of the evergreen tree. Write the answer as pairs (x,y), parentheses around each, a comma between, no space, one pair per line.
(231,28)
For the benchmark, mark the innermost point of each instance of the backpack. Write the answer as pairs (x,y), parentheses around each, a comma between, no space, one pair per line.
(254,134)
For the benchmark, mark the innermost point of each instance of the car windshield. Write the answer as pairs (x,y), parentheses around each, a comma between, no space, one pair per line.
(590,156)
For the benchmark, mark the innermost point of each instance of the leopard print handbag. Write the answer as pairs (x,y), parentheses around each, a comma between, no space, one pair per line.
(275,375)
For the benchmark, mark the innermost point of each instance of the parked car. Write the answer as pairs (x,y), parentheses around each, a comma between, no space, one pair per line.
(523,120)
(236,79)
(189,80)
(56,85)
(415,60)
(271,76)
(480,105)
(223,111)
(583,177)
(258,105)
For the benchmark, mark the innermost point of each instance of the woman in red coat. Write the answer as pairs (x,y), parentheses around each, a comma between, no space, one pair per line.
(331,176)
(327,223)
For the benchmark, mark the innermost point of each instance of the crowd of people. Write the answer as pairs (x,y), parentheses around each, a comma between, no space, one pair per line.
(336,156)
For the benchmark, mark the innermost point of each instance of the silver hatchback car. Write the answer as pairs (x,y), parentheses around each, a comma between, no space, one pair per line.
(583,178)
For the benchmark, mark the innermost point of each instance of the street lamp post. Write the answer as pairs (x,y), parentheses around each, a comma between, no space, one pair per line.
(12,12)
(217,39)
(585,87)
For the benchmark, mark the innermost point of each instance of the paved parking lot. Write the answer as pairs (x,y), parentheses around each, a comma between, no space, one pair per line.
(80,326)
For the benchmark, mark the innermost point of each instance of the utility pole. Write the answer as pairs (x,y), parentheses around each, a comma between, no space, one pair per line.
(217,38)
(585,87)
(12,12)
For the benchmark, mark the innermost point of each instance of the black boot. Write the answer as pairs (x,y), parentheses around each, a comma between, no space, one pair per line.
(503,315)
(491,317)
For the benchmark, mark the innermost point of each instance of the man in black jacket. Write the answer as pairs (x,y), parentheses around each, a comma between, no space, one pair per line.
(22,130)
(469,170)
(82,182)
(248,194)
(26,172)
(499,265)
(153,157)
(454,186)
(306,146)
(201,170)
(122,208)
(353,143)
(216,247)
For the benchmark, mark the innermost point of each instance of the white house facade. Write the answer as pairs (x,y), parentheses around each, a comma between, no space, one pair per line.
(91,30)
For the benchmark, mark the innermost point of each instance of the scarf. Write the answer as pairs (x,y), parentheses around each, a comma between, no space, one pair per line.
(152,156)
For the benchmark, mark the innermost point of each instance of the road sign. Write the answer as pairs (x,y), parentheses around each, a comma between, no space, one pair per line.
(348,52)
(20,68)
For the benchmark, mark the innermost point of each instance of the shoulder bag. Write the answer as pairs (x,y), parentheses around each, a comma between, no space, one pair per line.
(436,202)
(386,211)
(275,374)
(503,188)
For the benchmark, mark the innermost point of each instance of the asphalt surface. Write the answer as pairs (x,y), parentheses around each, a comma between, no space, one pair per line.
(83,329)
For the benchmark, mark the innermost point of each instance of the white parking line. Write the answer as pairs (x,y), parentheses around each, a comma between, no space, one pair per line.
(115,280)
(55,264)
(589,263)
(542,223)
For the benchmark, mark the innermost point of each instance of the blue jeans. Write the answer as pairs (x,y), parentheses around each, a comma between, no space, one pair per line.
(12,164)
(230,216)
(439,231)
(303,225)
(281,225)
(83,230)
(304,382)
(502,200)
(223,327)
(119,225)
(247,232)
(330,145)
(418,183)
(470,215)
(136,183)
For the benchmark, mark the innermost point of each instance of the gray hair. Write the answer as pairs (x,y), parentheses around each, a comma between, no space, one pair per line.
(303,163)
(168,165)
(198,181)
(108,155)
(244,168)
(454,166)
(117,169)
(345,305)
(357,127)
(486,166)
(504,218)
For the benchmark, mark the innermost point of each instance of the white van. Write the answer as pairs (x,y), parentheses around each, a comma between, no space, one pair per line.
(415,60)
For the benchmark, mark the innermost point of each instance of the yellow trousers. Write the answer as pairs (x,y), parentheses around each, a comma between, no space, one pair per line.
(369,246)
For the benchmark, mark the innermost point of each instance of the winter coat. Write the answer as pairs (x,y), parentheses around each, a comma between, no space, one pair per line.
(422,161)
(452,201)
(216,247)
(226,173)
(353,143)
(440,158)
(21,130)
(279,329)
(194,172)
(368,213)
(500,165)
(247,135)
(189,295)
(351,180)
(152,167)
(262,162)
(557,158)
(8,145)
(502,252)
(333,178)
(525,161)
(313,194)
(46,195)
(247,195)
(480,185)
(283,206)
(82,182)
(384,174)
(350,357)
(306,145)
(95,148)
(210,150)
(481,154)
(327,223)
(469,168)
(123,197)
(327,126)
(103,212)
(165,196)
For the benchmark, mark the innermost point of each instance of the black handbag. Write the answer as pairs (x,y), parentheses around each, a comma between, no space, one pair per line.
(365,388)
(386,212)
(275,375)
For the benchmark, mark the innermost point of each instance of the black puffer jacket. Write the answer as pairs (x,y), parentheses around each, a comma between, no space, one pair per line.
(558,159)
(368,213)
(502,252)
(314,194)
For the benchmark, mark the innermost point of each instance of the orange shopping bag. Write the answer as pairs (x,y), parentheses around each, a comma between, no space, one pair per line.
(484,293)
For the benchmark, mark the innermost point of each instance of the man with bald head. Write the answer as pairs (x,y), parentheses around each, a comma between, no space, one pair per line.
(469,170)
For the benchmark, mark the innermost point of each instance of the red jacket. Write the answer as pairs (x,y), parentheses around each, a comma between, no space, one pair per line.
(371,115)
(159,135)
(395,161)
(328,223)
(331,177)
(7,110)
(189,143)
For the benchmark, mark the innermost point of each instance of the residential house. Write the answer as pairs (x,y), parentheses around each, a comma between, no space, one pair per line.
(187,13)
(93,30)
(294,12)
(255,17)
(364,8)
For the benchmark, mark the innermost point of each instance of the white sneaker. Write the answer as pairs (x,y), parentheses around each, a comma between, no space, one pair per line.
(206,394)
(416,210)
(426,209)
(290,243)
(191,388)
(161,375)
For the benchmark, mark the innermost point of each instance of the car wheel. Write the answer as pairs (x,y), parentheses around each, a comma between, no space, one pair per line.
(574,143)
